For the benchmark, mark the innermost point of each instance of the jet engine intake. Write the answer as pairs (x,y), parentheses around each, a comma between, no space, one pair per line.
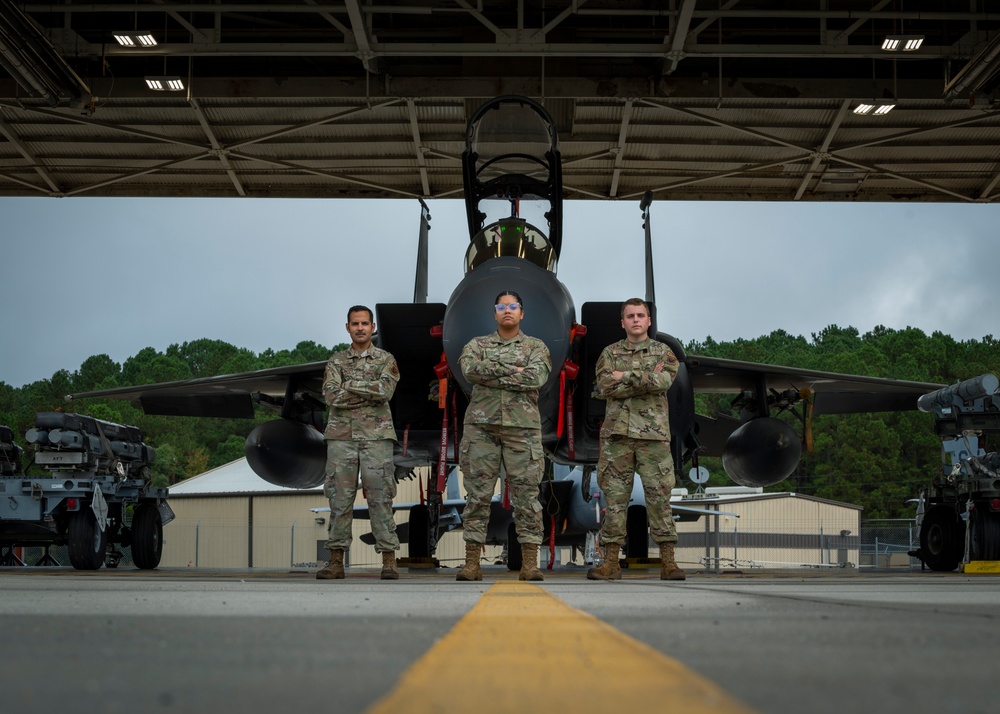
(761,452)
(287,453)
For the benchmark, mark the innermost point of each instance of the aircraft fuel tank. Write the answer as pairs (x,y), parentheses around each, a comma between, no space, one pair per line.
(761,452)
(287,453)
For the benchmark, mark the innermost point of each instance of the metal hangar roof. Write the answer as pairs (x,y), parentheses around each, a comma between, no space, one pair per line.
(694,100)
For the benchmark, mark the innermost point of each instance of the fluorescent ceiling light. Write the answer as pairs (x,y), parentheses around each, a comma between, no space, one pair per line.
(135,39)
(165,84)
(902,43)
(875,108)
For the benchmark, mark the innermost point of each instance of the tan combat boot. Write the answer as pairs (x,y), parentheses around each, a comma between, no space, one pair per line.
(610,569)
(334,570)
(389,570)
(529,563)
(471,571)
(668,568)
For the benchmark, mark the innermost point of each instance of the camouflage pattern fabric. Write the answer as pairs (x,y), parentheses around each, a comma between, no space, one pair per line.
(484,447)
(358,385)
(374,459)
(635,435)
(621,457)
(501,394)
(637,405)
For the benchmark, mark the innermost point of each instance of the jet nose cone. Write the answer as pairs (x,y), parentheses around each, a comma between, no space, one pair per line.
(549,311)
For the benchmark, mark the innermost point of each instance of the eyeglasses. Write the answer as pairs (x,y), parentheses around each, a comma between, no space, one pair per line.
(509,306)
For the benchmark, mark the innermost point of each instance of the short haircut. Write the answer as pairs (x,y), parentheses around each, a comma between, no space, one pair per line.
(360,308)
(636,302)
(512,294)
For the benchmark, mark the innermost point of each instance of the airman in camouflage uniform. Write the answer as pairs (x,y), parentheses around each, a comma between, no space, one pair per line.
(502,425)
(358,384)
(633,375)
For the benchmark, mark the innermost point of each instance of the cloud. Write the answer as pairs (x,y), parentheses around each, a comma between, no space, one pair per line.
(87,276)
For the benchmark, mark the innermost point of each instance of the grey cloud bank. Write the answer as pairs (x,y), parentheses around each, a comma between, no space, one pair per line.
(85,276)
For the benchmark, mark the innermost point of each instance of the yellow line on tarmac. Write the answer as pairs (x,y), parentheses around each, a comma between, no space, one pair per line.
(521,649)
(983,567)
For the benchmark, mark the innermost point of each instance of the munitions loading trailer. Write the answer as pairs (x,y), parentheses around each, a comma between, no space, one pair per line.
(960,520)
(97,476)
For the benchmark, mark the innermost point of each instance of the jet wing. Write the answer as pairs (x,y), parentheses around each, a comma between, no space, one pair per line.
(832,393)
(231,395)
(227,395)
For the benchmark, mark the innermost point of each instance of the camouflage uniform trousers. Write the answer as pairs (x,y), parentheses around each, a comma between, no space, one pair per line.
(621,457)
(484,447)
(374,457)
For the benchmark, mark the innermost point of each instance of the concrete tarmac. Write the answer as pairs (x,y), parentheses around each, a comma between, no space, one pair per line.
(265,641)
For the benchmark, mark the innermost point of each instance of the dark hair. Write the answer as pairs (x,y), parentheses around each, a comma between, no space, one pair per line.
(361,308)
(637,302)
(512,294)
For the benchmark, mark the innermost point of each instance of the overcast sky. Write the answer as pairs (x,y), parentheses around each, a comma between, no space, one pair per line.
(86,276)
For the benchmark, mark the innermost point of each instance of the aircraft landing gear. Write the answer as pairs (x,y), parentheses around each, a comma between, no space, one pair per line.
(420,532)
(636,533)
(514,558)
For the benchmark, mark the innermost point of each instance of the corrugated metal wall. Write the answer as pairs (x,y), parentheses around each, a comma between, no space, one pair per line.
(215,531)
(783,531)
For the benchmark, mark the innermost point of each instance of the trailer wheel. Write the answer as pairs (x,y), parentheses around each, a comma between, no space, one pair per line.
(985,535)
(86,541)
(942,539)
(147,536)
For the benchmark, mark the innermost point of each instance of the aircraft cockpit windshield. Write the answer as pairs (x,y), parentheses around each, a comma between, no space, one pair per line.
(511,237)
(510,139)
(511,165)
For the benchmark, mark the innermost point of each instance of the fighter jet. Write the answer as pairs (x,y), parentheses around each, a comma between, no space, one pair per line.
(512,172)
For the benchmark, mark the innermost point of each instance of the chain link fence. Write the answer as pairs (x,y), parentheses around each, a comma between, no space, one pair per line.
(885,544)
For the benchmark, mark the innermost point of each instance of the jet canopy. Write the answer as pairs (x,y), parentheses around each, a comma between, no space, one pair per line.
(514,237)
(512,169)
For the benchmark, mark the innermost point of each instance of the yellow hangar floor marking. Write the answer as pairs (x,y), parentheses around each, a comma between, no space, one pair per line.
(522,649)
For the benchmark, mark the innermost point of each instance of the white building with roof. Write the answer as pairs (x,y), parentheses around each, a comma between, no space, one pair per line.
(229,517)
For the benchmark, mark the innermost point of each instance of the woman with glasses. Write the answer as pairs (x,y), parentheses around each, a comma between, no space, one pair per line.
(502,426)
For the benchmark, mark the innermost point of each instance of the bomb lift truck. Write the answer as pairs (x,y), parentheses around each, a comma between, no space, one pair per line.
(95,495)
(961,507)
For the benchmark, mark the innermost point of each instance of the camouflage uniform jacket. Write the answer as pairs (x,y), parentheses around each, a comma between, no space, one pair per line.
(500,393)
(358,387)
(637,405)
